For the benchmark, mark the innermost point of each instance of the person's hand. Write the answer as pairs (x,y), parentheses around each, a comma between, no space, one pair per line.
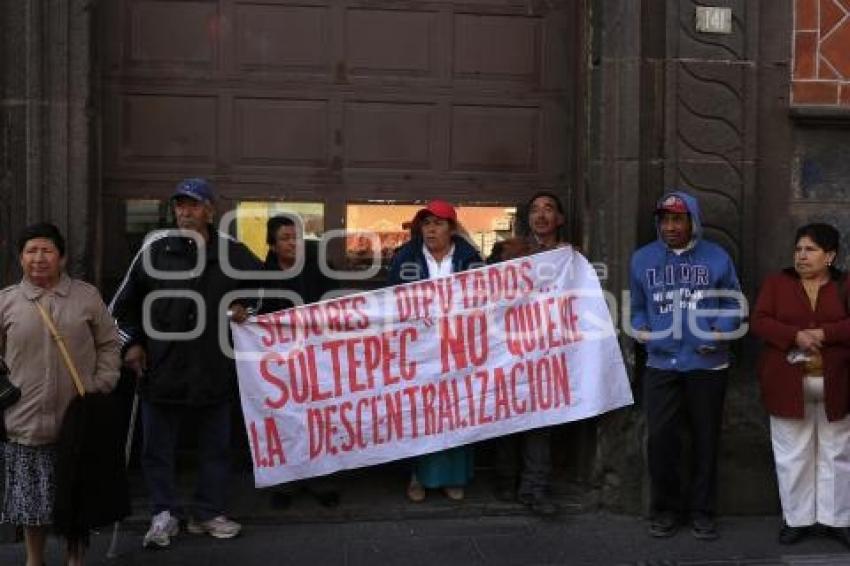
(136,359)
(709,348)
(808,340)
(238,313)
(817,333)
(642,336)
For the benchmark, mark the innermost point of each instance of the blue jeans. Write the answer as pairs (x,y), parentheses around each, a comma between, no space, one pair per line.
(160,428)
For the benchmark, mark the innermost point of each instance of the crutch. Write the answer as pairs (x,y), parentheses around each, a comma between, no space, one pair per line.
(112,552)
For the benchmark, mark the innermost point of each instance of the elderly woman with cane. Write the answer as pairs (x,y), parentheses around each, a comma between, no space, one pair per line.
(29,346)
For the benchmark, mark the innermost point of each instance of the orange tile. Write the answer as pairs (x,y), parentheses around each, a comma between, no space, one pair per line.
(820,92)
(825,71)
(836,49)
(845,4)
(807,14)
(844,98)
(805,55)
(830,14)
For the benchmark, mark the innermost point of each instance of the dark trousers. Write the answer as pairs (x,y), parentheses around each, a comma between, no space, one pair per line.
(535,448)
(669,398)
(160,428)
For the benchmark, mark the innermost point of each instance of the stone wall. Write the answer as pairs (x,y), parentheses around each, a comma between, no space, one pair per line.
(674,107)
(45,127)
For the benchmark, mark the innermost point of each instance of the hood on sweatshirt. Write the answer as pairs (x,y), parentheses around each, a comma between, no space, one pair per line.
(692,206)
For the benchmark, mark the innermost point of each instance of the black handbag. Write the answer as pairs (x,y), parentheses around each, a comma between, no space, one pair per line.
(91,479)
(9,393)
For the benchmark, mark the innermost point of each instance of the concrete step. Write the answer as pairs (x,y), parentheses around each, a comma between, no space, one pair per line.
(371,494)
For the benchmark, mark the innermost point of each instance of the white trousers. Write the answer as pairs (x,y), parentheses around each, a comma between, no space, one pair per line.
(813,463)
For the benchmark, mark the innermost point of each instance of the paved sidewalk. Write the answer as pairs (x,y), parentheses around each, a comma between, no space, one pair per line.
(375,525)
(584,539)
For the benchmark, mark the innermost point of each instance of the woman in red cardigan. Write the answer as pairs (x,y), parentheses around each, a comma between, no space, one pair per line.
(801,315)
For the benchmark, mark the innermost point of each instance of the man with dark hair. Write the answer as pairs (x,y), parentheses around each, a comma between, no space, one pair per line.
(541,227)
(674,297)
(185,377)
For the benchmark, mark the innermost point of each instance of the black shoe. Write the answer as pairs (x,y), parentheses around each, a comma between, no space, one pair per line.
(281,500)
(329,499)
(505,493)
(841,534)
(540,505)
(704,528)
(663,525)
(790,535)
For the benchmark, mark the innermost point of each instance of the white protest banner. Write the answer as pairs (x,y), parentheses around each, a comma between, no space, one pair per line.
(424,366)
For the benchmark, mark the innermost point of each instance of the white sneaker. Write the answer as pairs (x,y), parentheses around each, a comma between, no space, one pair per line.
(218,527)
(163,527)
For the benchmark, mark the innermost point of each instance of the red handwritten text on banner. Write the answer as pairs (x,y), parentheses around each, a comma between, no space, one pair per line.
(425,366)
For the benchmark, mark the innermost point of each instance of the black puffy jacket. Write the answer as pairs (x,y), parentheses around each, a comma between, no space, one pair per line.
(196,371)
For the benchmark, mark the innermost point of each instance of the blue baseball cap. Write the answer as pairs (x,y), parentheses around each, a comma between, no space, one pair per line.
(196,188)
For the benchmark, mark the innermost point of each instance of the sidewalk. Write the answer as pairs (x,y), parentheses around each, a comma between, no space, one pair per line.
(367,494)
(591,539)
(375,525)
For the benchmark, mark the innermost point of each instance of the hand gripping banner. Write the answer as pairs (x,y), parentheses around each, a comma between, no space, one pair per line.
(421,367)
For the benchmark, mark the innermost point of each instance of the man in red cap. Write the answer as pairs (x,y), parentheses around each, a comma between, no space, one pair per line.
(677,313)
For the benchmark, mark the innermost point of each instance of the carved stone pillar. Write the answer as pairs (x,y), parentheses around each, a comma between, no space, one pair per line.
(45,173)
(673,107)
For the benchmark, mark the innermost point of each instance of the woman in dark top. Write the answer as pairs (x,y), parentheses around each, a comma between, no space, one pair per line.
(801,315)
(436,250)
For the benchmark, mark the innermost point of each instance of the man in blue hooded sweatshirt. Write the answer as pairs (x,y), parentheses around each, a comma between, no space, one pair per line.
(685,304)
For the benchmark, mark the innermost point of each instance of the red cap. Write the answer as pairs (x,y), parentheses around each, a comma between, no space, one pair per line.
(672,204)
(440,209)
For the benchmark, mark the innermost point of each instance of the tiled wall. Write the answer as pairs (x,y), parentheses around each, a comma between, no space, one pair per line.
(821,72)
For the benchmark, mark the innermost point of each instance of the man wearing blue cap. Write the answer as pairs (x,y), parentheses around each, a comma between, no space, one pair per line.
(174,350)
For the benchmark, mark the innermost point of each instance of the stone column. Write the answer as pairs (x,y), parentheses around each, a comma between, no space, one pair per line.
(674,107)
(46,172)
(612,213)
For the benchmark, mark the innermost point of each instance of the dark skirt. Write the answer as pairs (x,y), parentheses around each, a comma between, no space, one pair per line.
(30,484)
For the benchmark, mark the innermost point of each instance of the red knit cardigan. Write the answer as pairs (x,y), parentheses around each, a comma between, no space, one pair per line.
(783,308)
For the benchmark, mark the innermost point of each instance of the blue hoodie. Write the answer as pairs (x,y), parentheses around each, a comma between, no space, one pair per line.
(663,281)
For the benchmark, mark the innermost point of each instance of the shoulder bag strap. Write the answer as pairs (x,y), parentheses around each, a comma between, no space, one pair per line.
(63,349)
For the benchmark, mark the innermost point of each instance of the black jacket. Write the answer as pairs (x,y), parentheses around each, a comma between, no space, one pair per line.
(197,371)
(408,263)
(310,284)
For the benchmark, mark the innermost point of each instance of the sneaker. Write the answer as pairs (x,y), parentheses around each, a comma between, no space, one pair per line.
(663,525)
(704,528)
(217,527)
(163,527)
